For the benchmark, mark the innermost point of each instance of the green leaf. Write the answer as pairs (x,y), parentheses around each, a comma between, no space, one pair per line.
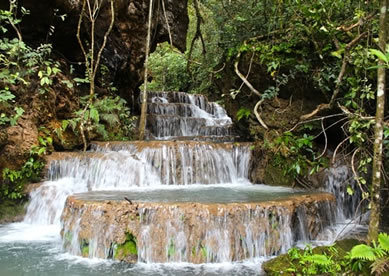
(56,70)
(379,54)
(41,151)
(318,259)
(350,191)
(73,124)
(243,113)
(65,124)
(337,54)
(94,114)
(362,251)
(49,140)
(383,240)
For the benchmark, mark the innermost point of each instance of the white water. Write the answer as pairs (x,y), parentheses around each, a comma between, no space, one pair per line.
(183,115)
(130,167)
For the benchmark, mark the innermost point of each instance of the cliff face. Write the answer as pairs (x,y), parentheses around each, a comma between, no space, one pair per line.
(123,55)
(125,50)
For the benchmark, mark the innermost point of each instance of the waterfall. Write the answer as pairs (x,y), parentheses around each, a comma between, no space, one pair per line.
(121,166)
(194,232)
(182,196)
(179,115)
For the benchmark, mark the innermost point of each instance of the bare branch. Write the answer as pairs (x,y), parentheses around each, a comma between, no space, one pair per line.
(105,37)
(142,121)
(312,120)
(12,5)
(258,116)
(243,78)
(359,23)
(79,32)
(337,148)
(326,141)
(167,23)
(339,80)
(356,176)
(198,33)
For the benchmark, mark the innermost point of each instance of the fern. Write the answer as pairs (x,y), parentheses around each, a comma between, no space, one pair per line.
(111,119)
(383,240)
(380,266)
(364,252)
(320,260)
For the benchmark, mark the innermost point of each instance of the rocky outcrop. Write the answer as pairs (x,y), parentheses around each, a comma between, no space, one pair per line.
(125,50)
(190,231)
(123,56)
(282,265)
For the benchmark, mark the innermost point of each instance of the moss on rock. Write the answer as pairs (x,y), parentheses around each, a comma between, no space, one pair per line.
(275,176)
(11,211)
(280,264)
(84,248)
(126,251)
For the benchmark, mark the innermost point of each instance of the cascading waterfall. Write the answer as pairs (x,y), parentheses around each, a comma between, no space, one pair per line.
(135,164)
(179,115)
(212,213)
(195,232)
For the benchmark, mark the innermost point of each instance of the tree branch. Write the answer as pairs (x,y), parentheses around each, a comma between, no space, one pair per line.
(258,116)
(339,80)
(198,33)
(243,78)
(359,23)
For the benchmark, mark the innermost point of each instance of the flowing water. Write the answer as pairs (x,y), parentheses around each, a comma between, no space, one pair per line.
(167,175)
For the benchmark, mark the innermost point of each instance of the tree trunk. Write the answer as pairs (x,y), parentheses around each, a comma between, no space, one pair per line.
(379,129)
(142,121)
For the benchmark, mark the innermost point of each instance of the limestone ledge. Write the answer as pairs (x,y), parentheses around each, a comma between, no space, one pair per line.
(192,232)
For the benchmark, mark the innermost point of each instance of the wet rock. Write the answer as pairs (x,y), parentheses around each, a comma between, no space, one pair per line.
(124,56)
(190,232)
(19,140)
(166,162)
(280,264)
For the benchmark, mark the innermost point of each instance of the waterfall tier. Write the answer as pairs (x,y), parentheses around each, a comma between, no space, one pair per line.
(120,165)
(178,115)
(187,231)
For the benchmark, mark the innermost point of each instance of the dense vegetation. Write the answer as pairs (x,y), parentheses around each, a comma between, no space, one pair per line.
(322,52)
(262,59)
(30,81)
(274,52)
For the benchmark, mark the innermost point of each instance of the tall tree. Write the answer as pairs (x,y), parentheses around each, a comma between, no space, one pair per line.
(379,129)
(90,10)
(142,121)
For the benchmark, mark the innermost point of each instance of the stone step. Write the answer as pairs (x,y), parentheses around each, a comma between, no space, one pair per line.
(99,146)
(177,97)
(126,164)
(194,231)
(174,126)
(185,110)
(214,139)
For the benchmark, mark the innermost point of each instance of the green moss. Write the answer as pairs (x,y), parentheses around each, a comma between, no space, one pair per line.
(67,238)
(126,249)
(11,210)
(275,176)
(277,266)
(84,246)
(172,249)
(204,252)
(85,251)
(280,264)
